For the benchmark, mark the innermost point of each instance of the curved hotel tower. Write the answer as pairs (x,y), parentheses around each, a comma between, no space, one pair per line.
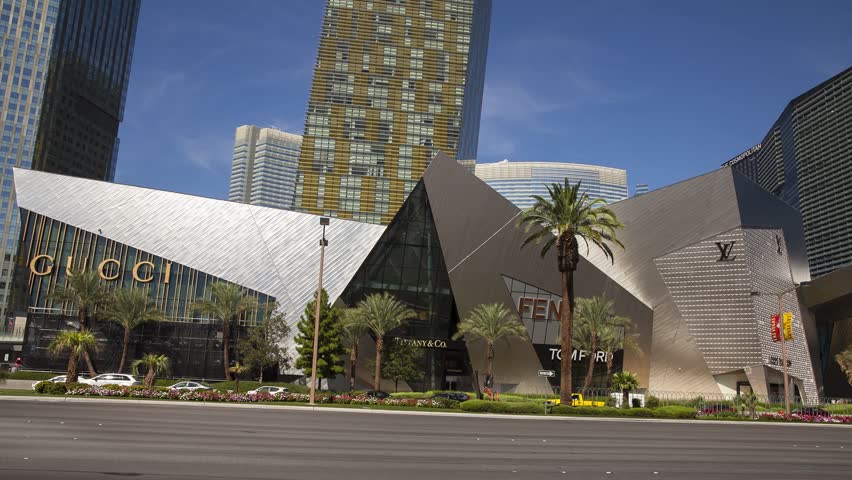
(518,181)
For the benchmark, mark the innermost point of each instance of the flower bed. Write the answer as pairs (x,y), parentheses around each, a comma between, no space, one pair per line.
(216,396)
(781,417)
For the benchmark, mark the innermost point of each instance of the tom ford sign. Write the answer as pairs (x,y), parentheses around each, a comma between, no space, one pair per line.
(108,269)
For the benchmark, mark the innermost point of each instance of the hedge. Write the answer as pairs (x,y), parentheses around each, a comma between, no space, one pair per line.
(675,411)
(589,411)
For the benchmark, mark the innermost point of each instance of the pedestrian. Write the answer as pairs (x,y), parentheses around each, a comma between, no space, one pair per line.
(18,364)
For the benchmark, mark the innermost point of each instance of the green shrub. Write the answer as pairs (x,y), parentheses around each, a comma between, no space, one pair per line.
(111,386)
(652,401)
(417,395)
(485,406)
(524,408)
(675,411)
(588,411)
(73,385)
(49,388)
(25,375)
(610,401)
(637,412)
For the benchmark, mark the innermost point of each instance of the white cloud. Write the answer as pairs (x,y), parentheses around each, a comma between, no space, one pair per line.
(162,86)
(210,152)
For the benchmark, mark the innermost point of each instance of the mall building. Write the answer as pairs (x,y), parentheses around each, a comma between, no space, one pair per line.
(703,262)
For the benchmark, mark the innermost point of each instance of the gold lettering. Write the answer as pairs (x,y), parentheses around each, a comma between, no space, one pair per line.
(68,266)
(539,309)
(136,272)
(34,264)
(103,264)
(168,272)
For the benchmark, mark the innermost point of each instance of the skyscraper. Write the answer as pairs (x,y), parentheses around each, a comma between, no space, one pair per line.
(518,181)
(66,65)
(263,171)
(640,189)
(804,159)
(394,83)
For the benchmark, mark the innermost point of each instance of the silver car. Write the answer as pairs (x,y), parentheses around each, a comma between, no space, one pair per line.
(111,379)
(189,386)
(270,389)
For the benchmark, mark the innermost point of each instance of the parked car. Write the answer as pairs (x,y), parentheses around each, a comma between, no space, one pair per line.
(270,389)
(812,411)
(190,386)
(122,379)
(457,396)
(377,394)
(58,379)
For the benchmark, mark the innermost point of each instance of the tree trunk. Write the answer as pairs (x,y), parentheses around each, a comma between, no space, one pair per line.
(353,359)
(124,350)
(396,385)
(609,360)
(491,360)
(71,373)
(89,364)
(625,397)
(237,382)
(567,331)
(226,346)
(149,378)
(591,370)
(380,344)
(81,318)
(260,378)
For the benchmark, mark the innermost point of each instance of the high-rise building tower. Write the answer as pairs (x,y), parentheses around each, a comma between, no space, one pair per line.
(640,189)
(394,83)
(66,65)
(519,181)
(805,160)
(263,171)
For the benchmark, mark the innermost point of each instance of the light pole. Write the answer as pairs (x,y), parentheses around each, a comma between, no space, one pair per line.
(323,243)
(780,296)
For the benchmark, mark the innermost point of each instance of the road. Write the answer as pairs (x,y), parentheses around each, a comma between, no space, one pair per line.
(101,440)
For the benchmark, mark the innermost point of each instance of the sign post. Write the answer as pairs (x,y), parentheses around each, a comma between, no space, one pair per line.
(546,374)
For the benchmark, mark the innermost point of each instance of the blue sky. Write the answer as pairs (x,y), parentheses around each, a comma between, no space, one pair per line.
(666,89)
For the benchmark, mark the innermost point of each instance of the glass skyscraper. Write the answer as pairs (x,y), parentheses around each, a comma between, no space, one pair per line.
(394,83)
(66,65)
(263,171)
(518,181)
(805,160)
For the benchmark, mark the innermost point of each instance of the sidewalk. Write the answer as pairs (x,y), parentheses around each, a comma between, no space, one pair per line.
(18,384)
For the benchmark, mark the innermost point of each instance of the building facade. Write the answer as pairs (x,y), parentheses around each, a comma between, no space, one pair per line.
(699,287)
(518,181)
(641,188)
(66,65)
(263,171)
(394,82)
(804,160)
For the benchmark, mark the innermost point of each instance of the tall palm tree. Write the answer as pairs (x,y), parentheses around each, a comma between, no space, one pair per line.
(237,369)
(614,338)
(593,316)
(354,327)
(129,308)
(227,303)
(491,323)
(844,360)
(154,365)
(625,381)
(559,221)
(84,290)
(77,343)
(382,313)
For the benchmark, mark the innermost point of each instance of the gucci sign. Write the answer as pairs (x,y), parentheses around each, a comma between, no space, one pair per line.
(143,272)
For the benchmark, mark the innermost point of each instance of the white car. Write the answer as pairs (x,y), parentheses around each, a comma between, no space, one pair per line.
(111,379)
(270,389)
(190,386)
(59,379)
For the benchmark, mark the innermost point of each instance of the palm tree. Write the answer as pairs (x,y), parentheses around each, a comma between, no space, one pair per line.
(129,308)
(844,360)
(382,313)
(227,303)
(614,338)
(625,381)
(354,327)
(593,316)
(747,400)
(567,215)
(77,343)
(154,365)
(237,369)
(83,289)
(491,323)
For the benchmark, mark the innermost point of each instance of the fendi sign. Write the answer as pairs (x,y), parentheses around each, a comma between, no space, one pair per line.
(143,272)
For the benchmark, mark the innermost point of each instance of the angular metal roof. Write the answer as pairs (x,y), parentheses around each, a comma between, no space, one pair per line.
(272,251)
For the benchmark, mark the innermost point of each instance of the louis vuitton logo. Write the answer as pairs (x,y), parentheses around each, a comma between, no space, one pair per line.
(725,250)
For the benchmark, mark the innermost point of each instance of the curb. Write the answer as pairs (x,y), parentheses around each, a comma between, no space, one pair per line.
(367,410)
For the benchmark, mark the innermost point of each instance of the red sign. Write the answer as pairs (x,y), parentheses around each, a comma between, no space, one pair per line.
(776,328)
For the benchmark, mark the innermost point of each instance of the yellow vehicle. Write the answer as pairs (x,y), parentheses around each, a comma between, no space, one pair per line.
(577,401)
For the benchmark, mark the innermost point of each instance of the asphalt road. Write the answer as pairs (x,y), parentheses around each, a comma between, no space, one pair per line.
(100,440)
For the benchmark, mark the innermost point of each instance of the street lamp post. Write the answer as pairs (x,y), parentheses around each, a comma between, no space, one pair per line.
(323,243)
(783,343)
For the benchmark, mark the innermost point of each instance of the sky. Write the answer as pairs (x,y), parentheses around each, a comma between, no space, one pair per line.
(665,89)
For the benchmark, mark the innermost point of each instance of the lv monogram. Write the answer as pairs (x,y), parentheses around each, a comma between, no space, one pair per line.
(725,250)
